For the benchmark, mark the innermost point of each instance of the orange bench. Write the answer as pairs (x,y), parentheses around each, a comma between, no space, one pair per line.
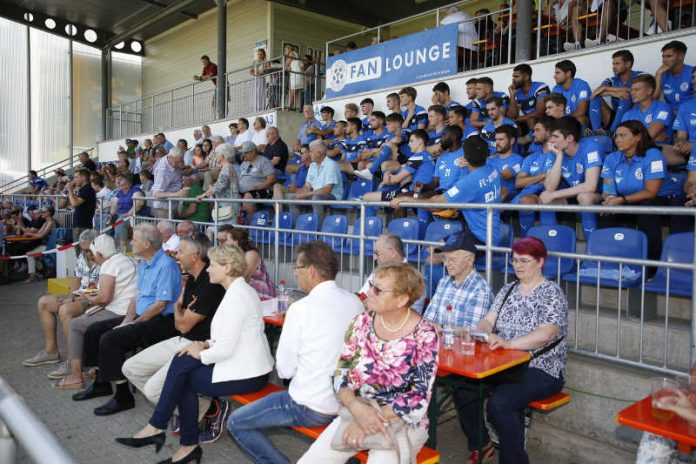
(426,455)
(552,402)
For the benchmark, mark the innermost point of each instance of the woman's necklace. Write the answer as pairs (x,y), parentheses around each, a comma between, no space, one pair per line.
(401,326)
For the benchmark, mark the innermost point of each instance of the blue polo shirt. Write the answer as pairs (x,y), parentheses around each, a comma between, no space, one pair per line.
(353,147)
(447,170)
(686,119)
(479,105)
(538,162)
(488,133)
(328,125)
(513,163)
(527,102)
(678,89)
(435,136)
(158,280)
(366,129)
(421,117)
(573,169)
(480,186)
(657,112)
(301,176)
(452,104)
(579,91)
(421,167)
(328,173)
(622,177)
(615,81)
(304,138)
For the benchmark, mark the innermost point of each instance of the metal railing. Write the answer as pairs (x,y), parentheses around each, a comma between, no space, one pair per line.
(28,431)
(266,86)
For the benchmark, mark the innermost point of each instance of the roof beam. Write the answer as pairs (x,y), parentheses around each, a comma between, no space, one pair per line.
(164,5)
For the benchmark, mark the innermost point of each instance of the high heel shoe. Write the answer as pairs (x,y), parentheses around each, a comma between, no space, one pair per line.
(157,440)
(194,455)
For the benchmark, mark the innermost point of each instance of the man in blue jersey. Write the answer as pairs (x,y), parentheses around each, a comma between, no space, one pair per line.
(37,184)
(655,115)
(526,97)
(685,126)
(448,167)
(508,163)
(367,105)
(305,136)
(353,145)
(484,91)
(441,96)
(350,110)
(617,89)
(555,105)
(496,114)
(436,115)
(576,91)
(457,117)
(574,176)
(690,185)
(374,141)
(481,185)
(470,87)
(334,147)
(300,170)
(674,77)
(415,116)
(392,148)
(325,131)
(393,103)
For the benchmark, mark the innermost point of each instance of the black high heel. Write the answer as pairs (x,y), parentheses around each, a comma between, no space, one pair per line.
(157,440)
(194,455)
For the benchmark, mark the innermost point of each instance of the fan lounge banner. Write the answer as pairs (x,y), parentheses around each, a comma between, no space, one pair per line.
(418,57)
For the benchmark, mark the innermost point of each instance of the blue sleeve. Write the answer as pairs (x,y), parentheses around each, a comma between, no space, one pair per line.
(584,92)
(461,192)
(527,164)
(168,282)
(691,165)
(542,91)
(664,115)
(608,175)
(681,122)
(592,156)
(422,117)
(654,165)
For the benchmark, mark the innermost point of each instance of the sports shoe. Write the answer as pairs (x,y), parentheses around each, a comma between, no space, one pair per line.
(215,424)
(42,358)
(62,370)
(487,455)
(589,43)
(571,47)
(364,174)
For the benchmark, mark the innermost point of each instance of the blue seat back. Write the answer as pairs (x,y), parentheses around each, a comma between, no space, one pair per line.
(439,230)
(57,235)
(560,239)
(432,273)
(260,219)
(678,248)
(308,222)
(618,242)
(407,229)
(285,222)
(505,240)
(373,228)
(336,224)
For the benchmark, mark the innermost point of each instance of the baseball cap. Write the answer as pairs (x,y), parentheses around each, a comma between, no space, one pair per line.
(247,147)
(464,240)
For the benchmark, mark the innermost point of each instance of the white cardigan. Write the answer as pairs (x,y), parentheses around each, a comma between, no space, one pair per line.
(238,345)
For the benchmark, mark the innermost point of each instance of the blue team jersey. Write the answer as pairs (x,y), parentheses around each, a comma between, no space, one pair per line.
(420,117)
(538,162)
(615,81)
(38,182)
(657,112)
(625,178)
(691,165)
(579,91)
(435,137)
(686,119)
(375,140)
(366,125)
(480,186)
(479,105)
(468,131)
(513,163)
(328,125)
(421,167)
(452,104)
(678,89)
(447,170)
(336,143)
(353,147)
(488,133)
(527,102)
(574,168)
(301,177)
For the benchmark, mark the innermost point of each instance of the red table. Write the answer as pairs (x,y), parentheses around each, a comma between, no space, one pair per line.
(639,416)
(19,238)
(483,363)
(275,319)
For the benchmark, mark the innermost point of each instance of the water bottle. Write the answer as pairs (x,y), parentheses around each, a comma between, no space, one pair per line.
(282,296)
(448,339)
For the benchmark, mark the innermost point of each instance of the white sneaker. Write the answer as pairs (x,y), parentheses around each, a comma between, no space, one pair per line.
(589,43)
(571,47)
(364,174)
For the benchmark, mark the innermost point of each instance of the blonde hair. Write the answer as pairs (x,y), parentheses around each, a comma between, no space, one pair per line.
(406,280)
(229,254)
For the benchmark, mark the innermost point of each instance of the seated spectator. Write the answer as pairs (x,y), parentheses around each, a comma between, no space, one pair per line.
(470,88)
(66,306)
(325,130)
(352,147)
(37,184)
(335,145)
(146,181)
(245,135)
(309,346)
(389,249)
(204,134)
(307,134)
(526,97)
(574,176)
(481,185)
(236,359)
(126,205)
(393,101)
(86,162)
(117,289)
(146,322)
(441,96)
(324,181)
(655,115)
(195,210)
(387,145)
(415,116)
(673,78)
(300,171)
(555,105)
(198,161)
(506,161)
(167,184)
(256,274)
(185,229)
(530,314)
(496,119)
(276,150)
(437,114)
(617,90)
(228,182)
(259,138)
(484,91)
(193,312)
(457,117)
(576,91)
(170,241)
(685,127)
(367,106)
(391,358)
(256,177)
(350,110)
(448,168)
(42,235)
(234,131)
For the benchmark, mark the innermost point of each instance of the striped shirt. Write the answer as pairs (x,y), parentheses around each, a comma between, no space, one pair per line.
(470,300)
(167,179)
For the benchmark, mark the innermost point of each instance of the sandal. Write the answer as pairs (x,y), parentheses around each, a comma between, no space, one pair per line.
(63,385)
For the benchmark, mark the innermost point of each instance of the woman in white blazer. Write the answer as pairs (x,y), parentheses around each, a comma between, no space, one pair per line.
(236,359)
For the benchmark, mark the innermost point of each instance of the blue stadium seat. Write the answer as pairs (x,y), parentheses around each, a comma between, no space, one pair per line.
(432,273)
(284,238)
(678,248)
(336,224)
(439,230)
(308,222)
(56,237)
(355,191)
(556,238)
(373,228)
(260,219)
(407,229)
(617,242)
(505,240)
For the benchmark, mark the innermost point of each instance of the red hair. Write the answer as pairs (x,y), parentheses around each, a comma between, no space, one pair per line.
(531,246)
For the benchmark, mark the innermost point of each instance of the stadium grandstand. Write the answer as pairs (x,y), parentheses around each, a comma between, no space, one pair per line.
(389,232)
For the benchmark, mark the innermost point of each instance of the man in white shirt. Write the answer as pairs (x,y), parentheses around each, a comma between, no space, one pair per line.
(466,36)
(260,138)
(170,241)
(308,350)
(245,135)
(389,249)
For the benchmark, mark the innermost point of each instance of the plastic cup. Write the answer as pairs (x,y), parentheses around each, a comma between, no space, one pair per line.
(467,343)
(662,387)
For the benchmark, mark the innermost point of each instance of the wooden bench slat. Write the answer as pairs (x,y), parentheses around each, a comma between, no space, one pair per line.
(552,402)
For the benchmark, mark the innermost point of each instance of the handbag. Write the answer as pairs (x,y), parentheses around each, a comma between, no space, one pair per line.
(377,441)
(223,213)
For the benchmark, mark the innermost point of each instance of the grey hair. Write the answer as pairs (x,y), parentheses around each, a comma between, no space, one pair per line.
(319,145)
(394,241)
(88,236)
(149,234)
(200,243)
(176,152)
(227,151)
(167,225)
(217,139)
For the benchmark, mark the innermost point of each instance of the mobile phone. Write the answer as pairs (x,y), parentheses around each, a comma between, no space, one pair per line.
(480,336)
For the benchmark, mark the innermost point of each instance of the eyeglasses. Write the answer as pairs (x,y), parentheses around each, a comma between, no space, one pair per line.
(303,266)
(514,261)
(378,290)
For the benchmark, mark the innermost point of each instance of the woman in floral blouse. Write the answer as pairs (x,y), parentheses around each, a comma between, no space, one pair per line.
(390,355)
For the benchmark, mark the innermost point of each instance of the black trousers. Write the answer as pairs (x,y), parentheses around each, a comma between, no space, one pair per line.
(90,350)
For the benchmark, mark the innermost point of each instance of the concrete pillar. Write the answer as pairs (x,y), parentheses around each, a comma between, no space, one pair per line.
(221,87)
(105,90)
(523,41)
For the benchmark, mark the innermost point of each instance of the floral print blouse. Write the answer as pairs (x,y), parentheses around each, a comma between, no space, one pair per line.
(398,372)
(261,281)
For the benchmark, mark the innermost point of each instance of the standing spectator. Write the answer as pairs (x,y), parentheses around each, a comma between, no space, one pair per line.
(209,73)
(258,86)
(104,197)
(87,163)
(83,202)
(295,67)
(673,78)
(305,136)
(36,183)
(576,91)
(256,177)
(466,37)
(276,150)
(167,183)
(259,137)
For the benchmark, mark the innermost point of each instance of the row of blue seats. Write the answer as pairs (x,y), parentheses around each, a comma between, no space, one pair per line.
(614,242)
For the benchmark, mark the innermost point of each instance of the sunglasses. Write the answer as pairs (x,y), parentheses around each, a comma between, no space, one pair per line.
(377,289)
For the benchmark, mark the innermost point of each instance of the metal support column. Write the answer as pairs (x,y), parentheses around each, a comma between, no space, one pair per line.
(71,112)
(523,41)
(105,90)
(221,85)
(28,99)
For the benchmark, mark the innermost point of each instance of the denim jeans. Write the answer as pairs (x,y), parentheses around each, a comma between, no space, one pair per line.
(275,410)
